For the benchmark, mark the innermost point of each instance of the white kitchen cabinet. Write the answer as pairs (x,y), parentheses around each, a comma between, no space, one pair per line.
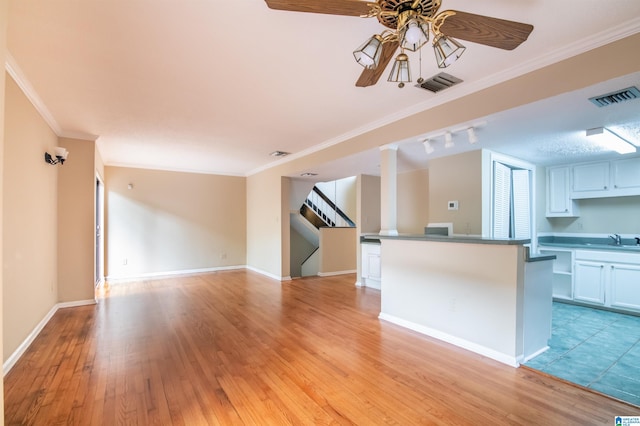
(590,177)
(626,174)
(559,202)
(562,281)
(625,286)
(371,265)
(608,278)
(589,282)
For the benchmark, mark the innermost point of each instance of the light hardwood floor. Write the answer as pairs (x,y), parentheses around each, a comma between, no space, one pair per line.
(235,347)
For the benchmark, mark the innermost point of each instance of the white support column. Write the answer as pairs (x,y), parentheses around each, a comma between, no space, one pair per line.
(388,189)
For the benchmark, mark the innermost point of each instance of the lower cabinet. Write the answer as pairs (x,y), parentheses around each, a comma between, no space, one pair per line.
(625,286)
(606,281)
(589,284)
(371,265)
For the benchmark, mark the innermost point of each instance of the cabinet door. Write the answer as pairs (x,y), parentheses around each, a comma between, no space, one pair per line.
(589,282)
(591,177)
(626,173)
(558,197)
(625,286)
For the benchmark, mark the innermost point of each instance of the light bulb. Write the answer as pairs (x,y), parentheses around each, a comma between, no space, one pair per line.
(413,33)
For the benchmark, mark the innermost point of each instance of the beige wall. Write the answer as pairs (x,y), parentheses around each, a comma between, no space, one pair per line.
(457,178)
(171,221)
(338,250)
(368,200)
(301,248)
(413,201)
(29,219)
(264,221)
(265,251)
(3,44)
(619,215)
(76,221)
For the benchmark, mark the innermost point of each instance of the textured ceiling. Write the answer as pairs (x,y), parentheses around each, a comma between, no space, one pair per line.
(215,86)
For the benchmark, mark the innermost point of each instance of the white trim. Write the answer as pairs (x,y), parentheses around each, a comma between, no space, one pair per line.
(122,278)
(268,274)
(456,341)
(331,274)
(22,348)
(76,303)
(535,354)
(21,80)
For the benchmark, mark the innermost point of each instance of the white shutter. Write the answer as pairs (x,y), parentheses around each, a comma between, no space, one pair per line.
(501,200)
(521,204)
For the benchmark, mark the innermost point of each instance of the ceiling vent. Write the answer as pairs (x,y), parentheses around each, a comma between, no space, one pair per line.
(617,97)
(279,154)
(439,82)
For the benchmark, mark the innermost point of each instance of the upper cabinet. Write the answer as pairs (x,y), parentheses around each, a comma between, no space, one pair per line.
(559,202)
(626,174)
(615,178)
(590,177)
(568,183)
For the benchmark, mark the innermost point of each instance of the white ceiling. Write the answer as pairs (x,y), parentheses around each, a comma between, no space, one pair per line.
(215,86)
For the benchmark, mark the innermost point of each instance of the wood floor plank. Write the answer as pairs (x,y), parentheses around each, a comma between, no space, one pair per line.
(237,348)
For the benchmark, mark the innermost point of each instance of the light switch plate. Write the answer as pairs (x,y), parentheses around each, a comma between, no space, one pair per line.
(452,205)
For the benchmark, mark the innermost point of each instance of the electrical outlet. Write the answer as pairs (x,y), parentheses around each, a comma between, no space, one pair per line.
(223,256)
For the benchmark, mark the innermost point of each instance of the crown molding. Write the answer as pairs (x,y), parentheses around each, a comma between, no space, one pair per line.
(603,38)
(21,80)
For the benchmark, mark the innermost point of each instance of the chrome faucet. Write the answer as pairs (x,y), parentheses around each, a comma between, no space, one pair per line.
(617,240)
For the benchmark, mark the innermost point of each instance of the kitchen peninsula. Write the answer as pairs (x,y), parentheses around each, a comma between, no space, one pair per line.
(488,296)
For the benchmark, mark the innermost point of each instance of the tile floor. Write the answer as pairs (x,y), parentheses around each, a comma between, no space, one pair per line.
(594,348)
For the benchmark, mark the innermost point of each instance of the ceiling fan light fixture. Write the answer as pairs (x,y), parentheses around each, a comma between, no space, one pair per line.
(447,50)
(400,73)
(368,55)
(414,34)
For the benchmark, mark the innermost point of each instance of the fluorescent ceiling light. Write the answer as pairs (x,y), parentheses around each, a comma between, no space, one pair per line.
(609,140)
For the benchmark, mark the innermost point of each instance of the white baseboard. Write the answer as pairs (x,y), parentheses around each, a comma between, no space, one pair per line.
(268,274)
(331,274)
(15,356)
(126,278)
(456,341)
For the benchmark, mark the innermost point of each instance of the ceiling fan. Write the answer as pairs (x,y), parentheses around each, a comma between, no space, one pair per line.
(408,25)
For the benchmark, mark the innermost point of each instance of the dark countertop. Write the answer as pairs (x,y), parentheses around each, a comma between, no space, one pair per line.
(588,243)
(444,239)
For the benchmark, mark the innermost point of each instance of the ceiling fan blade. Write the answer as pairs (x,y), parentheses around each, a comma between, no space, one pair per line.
(331,7)
(486,30)
(369,76)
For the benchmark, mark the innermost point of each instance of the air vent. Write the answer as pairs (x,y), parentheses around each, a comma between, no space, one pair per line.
(623,95)
(439,82)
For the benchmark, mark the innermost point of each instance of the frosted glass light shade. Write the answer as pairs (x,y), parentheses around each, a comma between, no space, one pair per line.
(368,55)
(414,35)
(400,73)
(447,50)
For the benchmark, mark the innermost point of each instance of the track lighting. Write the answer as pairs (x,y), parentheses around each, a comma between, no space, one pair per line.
(471,133)
(448,140)
(470,129)
(428,147)
(60,156)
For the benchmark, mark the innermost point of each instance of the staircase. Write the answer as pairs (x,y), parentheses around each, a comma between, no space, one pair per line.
(316,212)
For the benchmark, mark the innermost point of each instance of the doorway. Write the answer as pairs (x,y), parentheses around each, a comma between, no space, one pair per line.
(99,226)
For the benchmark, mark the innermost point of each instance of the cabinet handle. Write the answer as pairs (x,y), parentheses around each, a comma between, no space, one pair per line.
(566,210)
(605,187)
(615,186)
